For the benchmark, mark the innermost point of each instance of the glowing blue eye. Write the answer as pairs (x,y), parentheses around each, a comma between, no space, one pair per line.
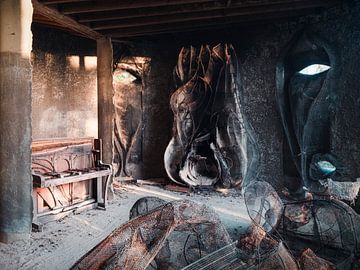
(326,167)
(314,69)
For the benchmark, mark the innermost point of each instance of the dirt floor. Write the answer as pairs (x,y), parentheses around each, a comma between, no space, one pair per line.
(63,242)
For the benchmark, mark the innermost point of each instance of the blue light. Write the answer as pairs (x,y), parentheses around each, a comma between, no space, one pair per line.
(326,167)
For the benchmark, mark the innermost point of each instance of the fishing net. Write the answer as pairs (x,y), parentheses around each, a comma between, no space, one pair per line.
(168,237)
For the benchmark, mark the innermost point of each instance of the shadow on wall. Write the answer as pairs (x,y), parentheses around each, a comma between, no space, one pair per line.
(129,85)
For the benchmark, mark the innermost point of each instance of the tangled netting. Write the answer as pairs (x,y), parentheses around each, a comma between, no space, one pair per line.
(211,144)
(168,237)
(316,233)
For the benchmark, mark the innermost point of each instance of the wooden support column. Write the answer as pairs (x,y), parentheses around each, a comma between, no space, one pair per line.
(15,120)
(105,97)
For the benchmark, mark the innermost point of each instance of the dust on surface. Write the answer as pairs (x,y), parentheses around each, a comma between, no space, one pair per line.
(63,242)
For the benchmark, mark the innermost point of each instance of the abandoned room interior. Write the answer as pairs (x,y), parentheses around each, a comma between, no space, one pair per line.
(179,134)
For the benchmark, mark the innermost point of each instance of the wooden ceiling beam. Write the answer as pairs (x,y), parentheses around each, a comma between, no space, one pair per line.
(120,5)
(57,26)
(182,9)
(198,16)
(53,2)
(147,12)
(204,24)
(46,22)
(64,21)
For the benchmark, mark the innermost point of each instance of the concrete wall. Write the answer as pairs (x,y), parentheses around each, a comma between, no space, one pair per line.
(15,112)
(64,97)
(258,51)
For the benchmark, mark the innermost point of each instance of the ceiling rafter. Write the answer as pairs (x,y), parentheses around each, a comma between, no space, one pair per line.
(205,24)
(55,16)
(52,2)
(197,16)
(133,18)
(119,5)
(148,12)
(190,8)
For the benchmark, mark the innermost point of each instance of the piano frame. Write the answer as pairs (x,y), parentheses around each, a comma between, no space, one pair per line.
(67,165)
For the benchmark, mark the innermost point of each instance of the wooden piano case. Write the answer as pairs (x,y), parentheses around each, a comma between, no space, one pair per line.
(68,176)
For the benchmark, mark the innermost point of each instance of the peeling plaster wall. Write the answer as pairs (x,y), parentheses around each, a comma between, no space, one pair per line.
(258,50)
(64,98)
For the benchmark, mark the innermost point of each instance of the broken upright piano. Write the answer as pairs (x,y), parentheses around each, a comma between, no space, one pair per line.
(68,175)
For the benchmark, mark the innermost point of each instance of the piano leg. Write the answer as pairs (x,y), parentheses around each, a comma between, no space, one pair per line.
(100,196)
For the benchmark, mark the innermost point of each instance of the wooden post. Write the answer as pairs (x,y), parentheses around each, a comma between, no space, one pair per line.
(105,97)
(15,120)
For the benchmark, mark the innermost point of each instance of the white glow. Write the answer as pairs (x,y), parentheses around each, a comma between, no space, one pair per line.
(15,30)
(90,62)
(74,61)
(314,69)
(26,33)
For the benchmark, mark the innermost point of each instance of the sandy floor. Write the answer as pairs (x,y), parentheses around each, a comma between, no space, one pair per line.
(63,242)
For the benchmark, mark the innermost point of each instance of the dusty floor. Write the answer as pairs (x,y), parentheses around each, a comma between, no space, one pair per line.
(62,243)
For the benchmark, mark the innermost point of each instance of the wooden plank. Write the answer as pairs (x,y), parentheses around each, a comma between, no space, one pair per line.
(200,25)
(65,21)
(148,12)
(99,191)
(63,212)
(198,16)
(177,188)
(150,181)
(39,145)
(52,2)
(104,52)
(70,179)
(100,6)
(186,8)
(119,5)
(54,25)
